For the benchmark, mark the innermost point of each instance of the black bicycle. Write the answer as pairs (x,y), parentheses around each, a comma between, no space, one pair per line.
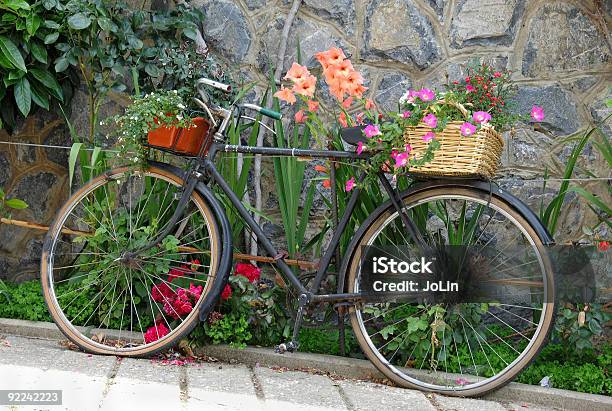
(133,243)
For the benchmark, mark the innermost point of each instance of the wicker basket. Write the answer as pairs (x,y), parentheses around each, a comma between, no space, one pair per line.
(475,156)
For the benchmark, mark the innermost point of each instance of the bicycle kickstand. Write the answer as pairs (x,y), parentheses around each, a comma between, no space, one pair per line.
(293,345)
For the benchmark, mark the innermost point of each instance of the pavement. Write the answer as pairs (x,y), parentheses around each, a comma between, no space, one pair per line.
(108,383)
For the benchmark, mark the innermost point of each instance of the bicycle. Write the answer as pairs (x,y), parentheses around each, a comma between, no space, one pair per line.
(134,243)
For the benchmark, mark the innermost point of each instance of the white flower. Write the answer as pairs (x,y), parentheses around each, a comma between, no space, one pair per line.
(182,107)
(179,117)
(175,92)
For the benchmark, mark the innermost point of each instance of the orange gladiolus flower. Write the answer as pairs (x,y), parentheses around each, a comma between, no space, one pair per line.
(286,95)
(297,73)
(306,86)
(342,119)
(313,106)
(345,68)
(327,183)
(369,104)
(300,116)
(336,90)
(321,169)
(335,55)
(347,103)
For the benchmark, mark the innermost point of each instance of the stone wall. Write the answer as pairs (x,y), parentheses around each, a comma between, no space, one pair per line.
(559,52)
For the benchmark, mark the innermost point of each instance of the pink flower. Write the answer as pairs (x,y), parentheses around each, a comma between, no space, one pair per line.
(467,129)
(428,137)
(394,154)
(406,114)
(469,88)
(359,147)
(155,333)
(350,184)
(430,120)
(481,117)
(497,74)
(408,148)
(195,292)
(426,94)
(401,159)
(537,113)
(372,130)
(359,117)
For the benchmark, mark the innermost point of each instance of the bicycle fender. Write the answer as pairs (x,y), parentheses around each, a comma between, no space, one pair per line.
(486,187)
(479,185)
(225,257)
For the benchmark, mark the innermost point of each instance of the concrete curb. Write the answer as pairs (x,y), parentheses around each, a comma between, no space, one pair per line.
(345,367)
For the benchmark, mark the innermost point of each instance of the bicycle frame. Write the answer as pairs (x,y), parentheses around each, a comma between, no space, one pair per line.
(204,168)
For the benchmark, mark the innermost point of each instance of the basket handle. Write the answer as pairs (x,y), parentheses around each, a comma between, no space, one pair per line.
(458,106)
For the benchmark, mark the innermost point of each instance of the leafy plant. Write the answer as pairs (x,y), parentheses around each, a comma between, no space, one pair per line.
(162,109)
(13,203)
(550,214)
(577,325)
(26,31)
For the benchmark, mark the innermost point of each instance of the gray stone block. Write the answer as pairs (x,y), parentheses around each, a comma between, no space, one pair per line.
(227,28)
(397,30)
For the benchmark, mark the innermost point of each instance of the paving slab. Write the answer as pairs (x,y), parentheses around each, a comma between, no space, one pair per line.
(367,396)
(80,392)
(148,371)
(221,377)
(466,404)
(299,388)
(136,395)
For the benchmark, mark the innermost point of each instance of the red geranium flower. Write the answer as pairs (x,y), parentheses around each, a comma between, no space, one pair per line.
(227,292)
(162,292)
(156,332)
(603,246)
(249,271)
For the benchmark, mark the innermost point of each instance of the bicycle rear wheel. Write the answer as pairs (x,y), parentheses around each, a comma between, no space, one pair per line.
(136,306)
(464,348)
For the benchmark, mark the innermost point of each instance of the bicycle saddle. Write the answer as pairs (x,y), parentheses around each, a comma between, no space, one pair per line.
(353,135)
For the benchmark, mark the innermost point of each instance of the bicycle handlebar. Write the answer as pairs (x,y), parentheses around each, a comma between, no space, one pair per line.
(208,82)
(266,112)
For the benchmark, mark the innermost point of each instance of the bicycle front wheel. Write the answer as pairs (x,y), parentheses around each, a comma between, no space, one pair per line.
(465,347)
(108,304)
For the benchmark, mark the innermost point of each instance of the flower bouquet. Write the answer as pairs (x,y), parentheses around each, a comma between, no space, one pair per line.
(454,132)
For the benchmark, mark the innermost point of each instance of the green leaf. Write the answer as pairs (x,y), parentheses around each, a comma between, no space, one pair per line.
(23,96)
(107,24)
(61,64)
(152,70)
(49,82)
(33,23)
(11,52)
(16,204)
(190,33)
(39,52)
(50,24)
(16,4)
(79,21)
(39,97)
(72,159)
(51,38)
(4,62)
